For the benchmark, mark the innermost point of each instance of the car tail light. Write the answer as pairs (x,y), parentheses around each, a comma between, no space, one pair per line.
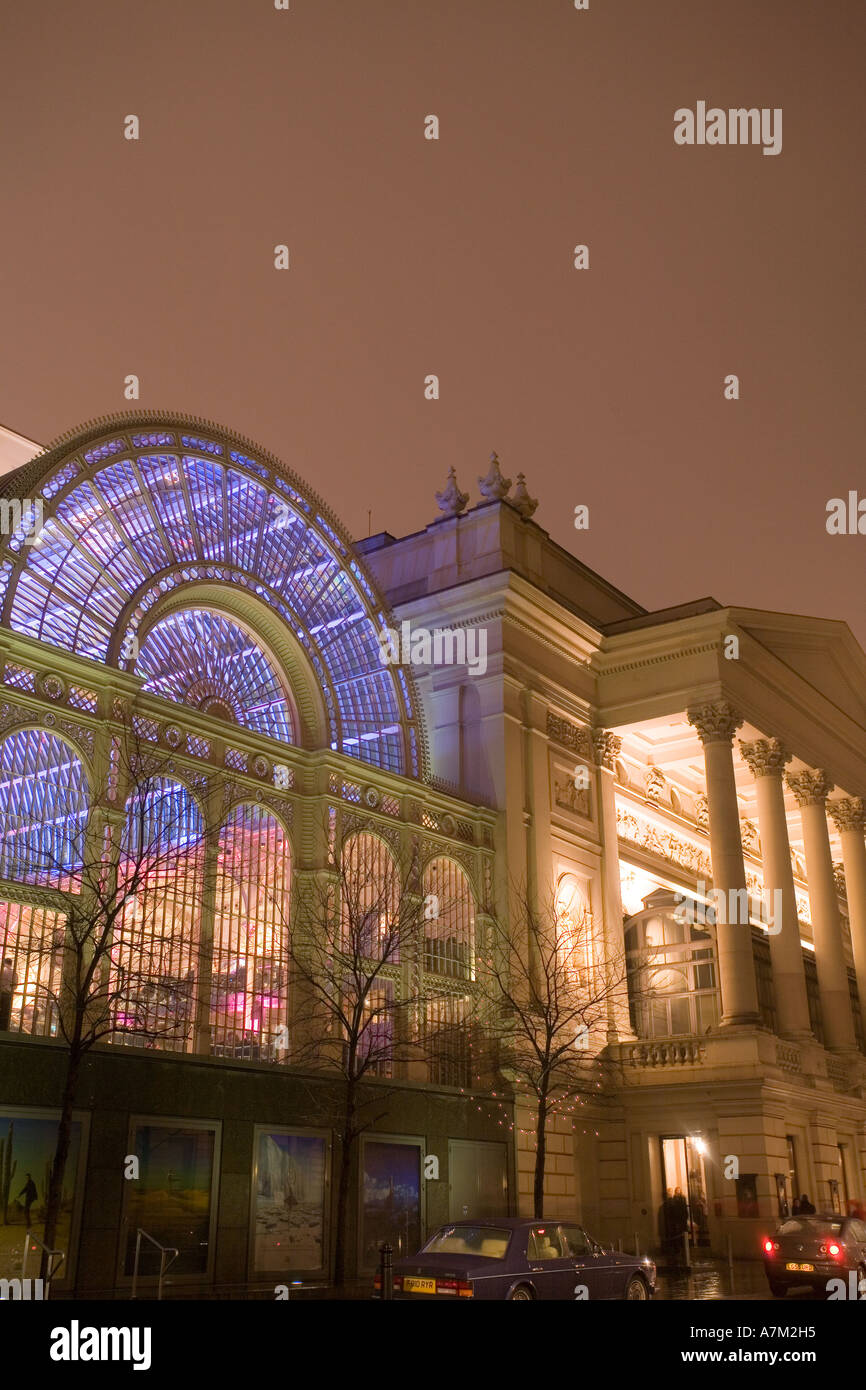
(834,1249)
(398,1283)
(770,1247)
(457,1288)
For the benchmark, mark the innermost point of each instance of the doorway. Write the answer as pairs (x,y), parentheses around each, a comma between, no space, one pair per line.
(684,1186)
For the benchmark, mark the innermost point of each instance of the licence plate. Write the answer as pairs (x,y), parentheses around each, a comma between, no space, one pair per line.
(411,1285)
(802,1269)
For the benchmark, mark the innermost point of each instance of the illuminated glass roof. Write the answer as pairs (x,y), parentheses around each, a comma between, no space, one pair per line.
(133,508)
(205,660)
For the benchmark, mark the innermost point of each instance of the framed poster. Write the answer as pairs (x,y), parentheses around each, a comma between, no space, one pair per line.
(28,1139)
(392,1191)
(173,1196)
(290,1187)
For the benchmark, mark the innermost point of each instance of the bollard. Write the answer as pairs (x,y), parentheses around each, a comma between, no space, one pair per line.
(386,1272)
(619,1245)
(686,1251)
(730,1255)
(636,1244)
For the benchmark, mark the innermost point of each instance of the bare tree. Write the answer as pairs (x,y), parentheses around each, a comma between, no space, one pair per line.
(549,990)
(113,968)
(355,955)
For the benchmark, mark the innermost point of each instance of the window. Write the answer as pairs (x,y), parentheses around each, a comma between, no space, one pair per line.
(487,1242)
(206,660)
(577,1241)
(156,963)
(31,955)
(671,971)
(545,1244)
(249,989)
(764,980)
(43,810)
(813,996)
(574,928)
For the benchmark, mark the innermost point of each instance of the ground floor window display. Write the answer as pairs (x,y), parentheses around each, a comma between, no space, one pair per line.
(391,1198)
(290,1186)
(28,1140)
(173,1196)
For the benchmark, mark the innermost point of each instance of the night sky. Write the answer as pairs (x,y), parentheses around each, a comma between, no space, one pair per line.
(455,257)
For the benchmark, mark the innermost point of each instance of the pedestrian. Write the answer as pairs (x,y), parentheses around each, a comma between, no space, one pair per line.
(8,982)
(805,1208)
(29,1193)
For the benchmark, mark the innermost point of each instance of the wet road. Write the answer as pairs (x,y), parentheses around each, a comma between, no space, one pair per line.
(712,1279)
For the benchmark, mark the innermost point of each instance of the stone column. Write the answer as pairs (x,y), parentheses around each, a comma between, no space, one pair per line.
(766,759)
(810,789)
(606,747)
(849,817)
(716,725)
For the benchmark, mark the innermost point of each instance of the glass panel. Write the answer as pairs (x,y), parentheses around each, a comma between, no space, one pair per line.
(249,989)
(205,660)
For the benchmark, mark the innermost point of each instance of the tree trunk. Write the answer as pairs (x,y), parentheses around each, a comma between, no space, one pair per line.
(58,1167)
(347,1145)
(540,1157)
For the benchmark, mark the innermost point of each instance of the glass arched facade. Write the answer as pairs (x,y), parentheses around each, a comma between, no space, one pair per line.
(219,640)
(145,513)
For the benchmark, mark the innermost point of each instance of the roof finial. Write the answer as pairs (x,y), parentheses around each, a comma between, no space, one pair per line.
(525,504)
(494,487)
(451,500)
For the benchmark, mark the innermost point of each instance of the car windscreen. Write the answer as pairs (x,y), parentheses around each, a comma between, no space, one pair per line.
(484,1242)
(804,1227)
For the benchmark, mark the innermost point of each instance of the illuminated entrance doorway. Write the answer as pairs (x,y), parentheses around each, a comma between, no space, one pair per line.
(684,1188)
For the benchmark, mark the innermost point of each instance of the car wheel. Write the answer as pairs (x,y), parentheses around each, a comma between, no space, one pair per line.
(523,1292)
(776,1289)
(636,1288)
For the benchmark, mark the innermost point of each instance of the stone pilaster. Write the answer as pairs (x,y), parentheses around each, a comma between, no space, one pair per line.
(606,747)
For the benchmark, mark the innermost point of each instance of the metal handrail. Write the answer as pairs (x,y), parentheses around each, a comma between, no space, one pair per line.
(31,1235)
(163,1251)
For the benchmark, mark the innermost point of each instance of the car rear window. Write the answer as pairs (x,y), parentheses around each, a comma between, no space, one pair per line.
(487,1242)
(802,1227)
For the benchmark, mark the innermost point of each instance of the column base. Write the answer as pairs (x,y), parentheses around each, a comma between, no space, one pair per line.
(742,1021)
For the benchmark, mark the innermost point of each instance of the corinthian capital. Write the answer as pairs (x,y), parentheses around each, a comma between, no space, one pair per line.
(606,748)
(765,756)
(848,814)
(809,787)
(716,722)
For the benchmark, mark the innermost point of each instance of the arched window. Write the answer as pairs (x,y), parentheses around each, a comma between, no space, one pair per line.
(671,967)
(43,810)
(249,986)
(449,954)
(156,963)
(449,915)
(574,930)
(205,660)
(372,944)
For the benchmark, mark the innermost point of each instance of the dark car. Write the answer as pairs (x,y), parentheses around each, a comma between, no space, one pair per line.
(508,1258)
(811,1250)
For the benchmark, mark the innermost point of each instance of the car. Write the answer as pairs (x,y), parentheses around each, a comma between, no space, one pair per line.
(507,1258)
(811,1250)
